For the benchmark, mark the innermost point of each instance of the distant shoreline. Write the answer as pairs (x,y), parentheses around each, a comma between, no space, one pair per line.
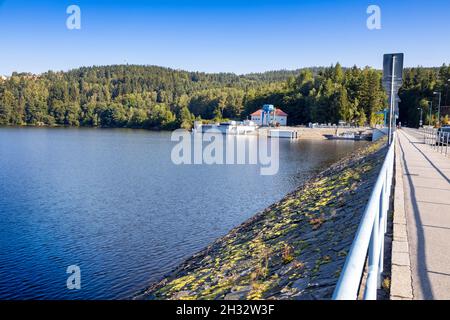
(80,127)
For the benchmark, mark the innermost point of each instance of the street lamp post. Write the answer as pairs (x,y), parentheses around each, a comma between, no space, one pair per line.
(431,111)
(421,113)
(439,108)
(446,94)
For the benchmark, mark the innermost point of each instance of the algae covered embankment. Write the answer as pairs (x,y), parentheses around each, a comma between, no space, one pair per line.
(295,249)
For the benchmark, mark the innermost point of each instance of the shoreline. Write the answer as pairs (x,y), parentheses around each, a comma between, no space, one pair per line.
(294,249)
(80,127)
(304,132)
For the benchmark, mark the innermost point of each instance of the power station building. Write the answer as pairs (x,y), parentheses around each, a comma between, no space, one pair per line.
(277,116)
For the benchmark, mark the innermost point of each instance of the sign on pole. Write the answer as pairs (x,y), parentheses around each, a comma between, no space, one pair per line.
(392,81)
(393,69)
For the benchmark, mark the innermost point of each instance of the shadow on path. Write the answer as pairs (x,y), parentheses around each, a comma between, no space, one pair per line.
(421,254)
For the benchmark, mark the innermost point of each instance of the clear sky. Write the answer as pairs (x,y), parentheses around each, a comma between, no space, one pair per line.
(218,35)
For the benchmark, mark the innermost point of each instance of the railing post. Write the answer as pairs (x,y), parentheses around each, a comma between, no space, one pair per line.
(438,135)
(434,139)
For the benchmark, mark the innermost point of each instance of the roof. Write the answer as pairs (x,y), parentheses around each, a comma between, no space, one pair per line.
(278,112)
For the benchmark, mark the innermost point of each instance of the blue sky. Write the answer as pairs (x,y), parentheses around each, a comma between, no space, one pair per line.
(216,35)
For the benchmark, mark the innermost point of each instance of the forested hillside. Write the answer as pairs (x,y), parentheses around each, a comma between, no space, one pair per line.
(161,98)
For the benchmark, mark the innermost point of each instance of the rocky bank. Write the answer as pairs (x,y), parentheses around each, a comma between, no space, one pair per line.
(295,249)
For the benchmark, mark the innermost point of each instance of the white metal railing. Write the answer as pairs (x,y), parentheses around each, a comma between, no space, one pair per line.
(369,239)
(437,139)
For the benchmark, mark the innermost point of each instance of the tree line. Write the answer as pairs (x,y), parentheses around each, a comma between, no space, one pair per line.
(418,93)
(153,97)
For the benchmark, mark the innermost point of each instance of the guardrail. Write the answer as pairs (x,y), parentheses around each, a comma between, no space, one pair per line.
(369,240)
(437,139)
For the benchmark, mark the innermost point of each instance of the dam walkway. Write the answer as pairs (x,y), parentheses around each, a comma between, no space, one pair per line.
(423,246)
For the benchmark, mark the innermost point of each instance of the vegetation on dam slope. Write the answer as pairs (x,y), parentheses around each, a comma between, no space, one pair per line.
(295,249)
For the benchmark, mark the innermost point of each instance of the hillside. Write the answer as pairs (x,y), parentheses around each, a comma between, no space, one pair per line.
(162,98)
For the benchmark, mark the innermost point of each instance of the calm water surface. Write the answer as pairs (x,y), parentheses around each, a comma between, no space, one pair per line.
(112,202)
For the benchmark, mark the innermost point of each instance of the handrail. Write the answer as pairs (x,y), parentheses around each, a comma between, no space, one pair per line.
(369,239)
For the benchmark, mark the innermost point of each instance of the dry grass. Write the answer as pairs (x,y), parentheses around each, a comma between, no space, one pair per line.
(287,254)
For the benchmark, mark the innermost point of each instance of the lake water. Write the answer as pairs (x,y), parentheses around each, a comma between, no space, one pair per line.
(113,203)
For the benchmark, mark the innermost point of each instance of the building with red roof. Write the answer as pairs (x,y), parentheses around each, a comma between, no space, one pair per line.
(276,117)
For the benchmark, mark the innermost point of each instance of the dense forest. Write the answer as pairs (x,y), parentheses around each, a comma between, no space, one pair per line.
(161,98)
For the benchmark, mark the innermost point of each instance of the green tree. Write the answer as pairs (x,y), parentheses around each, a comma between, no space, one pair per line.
(7,102)
(347,110)
(186,119)
(161,117)
(362,119)
(138,118)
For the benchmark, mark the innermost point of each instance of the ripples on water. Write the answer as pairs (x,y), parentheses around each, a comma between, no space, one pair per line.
(112,202)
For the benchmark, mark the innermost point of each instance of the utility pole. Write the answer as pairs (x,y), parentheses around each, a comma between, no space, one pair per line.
(420,122)
(439,108)
(392,106)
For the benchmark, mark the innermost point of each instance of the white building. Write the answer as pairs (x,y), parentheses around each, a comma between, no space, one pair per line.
(232,127)
(278,116)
